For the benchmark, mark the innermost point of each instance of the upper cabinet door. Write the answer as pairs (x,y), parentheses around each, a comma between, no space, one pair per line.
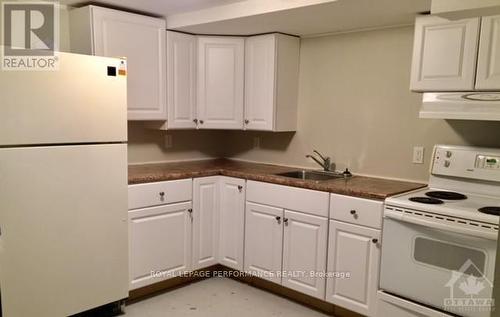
(304,250)
(231,222)
(260,72)
(220,82)
(488,67)
(181,80)
(271,82)
(444,54)
(205,221)
(141,39)
(356,250)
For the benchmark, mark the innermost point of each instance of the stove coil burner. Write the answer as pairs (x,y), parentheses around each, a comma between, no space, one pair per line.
(495,211)
(446,195)
(426,200)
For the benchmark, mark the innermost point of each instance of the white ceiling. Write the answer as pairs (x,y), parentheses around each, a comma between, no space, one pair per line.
(327,17)
(299,17)
(155,7)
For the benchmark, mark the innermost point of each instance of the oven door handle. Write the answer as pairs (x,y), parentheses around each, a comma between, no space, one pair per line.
(441,226)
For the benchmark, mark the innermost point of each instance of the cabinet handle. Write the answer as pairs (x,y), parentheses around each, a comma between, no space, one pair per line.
(375,241)
(240,188)
(247,121)
(278,219)
(285,221)
(195,121)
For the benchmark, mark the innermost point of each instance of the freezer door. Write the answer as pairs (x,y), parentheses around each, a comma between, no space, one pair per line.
(79,103)
(63,218)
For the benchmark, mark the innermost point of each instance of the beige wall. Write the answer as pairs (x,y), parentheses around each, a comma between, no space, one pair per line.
(146,145)
(355,105)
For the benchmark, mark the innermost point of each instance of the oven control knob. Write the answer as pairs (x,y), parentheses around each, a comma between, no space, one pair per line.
(447,163)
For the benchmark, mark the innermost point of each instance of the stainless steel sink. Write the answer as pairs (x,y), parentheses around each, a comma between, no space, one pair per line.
(312,175)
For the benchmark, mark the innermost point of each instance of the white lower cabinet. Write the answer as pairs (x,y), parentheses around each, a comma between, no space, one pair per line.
(231,222)
(159,241)
(304,253)
(205,221)
(263,241)
(355,250)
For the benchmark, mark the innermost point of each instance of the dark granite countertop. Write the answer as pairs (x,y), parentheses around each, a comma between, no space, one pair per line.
(357,186)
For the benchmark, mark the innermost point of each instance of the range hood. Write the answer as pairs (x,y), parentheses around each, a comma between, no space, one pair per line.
(461,106)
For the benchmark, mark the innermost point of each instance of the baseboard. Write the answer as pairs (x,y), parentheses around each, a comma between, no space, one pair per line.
(177,282)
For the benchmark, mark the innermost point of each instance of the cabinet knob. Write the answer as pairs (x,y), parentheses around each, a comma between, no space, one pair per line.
(247,121)
(195,121)
(353,212)
(375,241)
(240,188)
(285,221)
(190,210)
(201,121)
(162,194)
(278,219)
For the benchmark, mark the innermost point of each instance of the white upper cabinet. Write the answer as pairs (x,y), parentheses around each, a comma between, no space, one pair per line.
(220,82)
(271,82)
(444,54)
(181,80)
(354,249)
(231,222)
(141,39)
(488,67)
(304,250)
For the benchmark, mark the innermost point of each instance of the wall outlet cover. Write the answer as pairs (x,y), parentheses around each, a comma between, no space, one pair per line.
(418,154)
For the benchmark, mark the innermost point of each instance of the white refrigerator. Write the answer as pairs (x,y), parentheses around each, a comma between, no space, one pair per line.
(63,187)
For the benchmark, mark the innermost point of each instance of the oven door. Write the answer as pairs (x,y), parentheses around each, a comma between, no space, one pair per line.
(422,261)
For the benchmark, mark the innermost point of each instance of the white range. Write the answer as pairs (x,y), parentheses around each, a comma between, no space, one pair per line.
(439,243)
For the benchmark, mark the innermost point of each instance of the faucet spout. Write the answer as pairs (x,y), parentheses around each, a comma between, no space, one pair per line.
(324,162)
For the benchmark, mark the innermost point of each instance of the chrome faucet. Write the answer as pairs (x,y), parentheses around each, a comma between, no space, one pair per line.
(324,162)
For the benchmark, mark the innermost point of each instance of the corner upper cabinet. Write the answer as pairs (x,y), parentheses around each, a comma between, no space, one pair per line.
(220,82)
(181,80)
(444,54)
(488,67)
(141,39)
(271,82)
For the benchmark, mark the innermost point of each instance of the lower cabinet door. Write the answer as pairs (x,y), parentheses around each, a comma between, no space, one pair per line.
(263,241)
(159,242)
(304,253)
(205,221)
(231,222)
(355,250)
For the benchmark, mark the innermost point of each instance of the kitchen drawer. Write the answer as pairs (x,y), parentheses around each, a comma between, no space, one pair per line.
(291,198)
(359,211)
(160,193)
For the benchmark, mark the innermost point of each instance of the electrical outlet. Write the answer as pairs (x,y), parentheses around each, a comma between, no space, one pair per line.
(256,142)
(169,141)
(418,154)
